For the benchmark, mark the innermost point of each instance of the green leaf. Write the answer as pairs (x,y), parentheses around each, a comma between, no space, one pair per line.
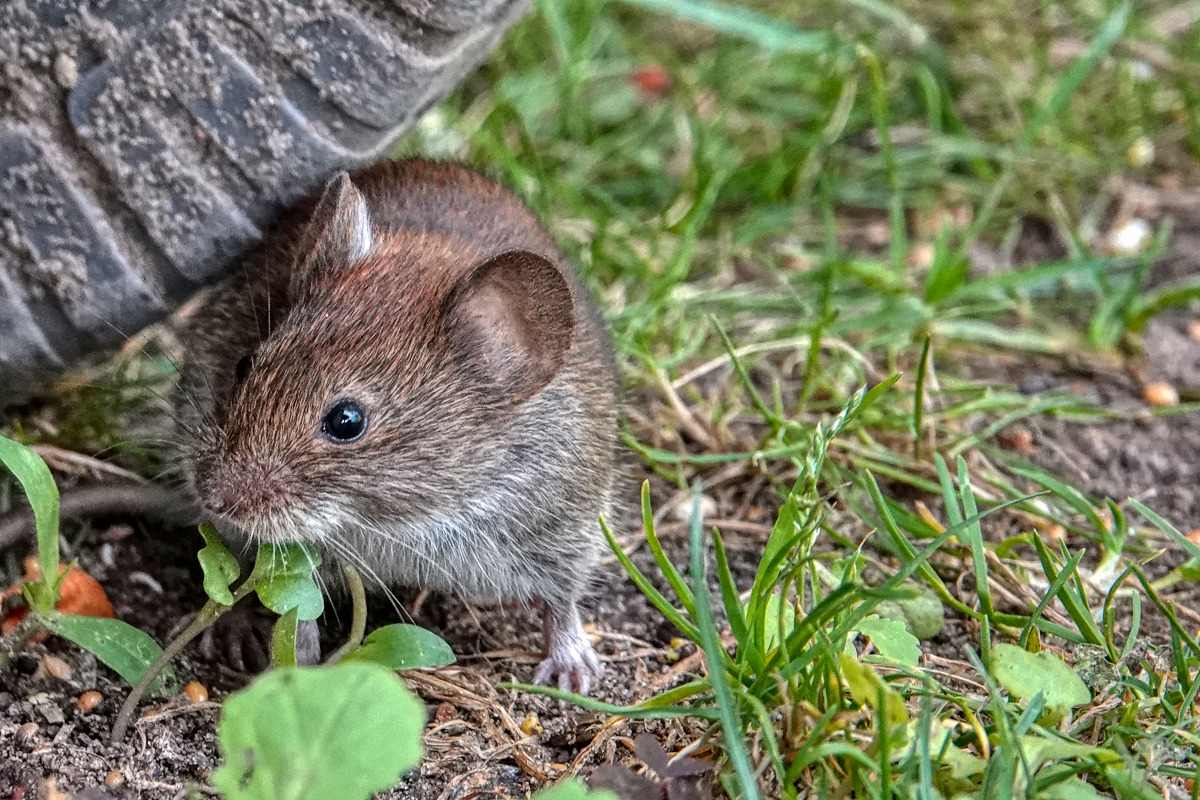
(318,733)
(923,615)
(403,646)
(865,685)
(284,592)
(1040,750)
(126,650)
(284,579)
(219,566)
(38,485)
(1026,674)
(573,790)
(891,639)
(283,639)
(1071,789)
(773,624)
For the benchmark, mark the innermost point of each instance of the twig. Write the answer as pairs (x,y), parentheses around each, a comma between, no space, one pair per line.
(204,618)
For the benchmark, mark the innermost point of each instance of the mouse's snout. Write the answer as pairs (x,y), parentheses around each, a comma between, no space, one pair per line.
(248,493)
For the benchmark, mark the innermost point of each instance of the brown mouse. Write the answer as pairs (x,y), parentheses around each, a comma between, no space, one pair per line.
(410,375)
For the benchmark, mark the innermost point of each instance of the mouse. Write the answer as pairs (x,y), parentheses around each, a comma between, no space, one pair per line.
(409,374)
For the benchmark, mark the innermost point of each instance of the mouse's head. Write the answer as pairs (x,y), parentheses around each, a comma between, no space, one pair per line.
(386,390)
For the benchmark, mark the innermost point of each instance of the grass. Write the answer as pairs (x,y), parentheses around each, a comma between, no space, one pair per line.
(786,214)
(794,219)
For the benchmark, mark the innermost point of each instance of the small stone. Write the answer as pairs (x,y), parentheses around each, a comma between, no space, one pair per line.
(66,71)
(1054,533)
(444,713)
(196,693)
(1128,238)
(88,701)
(921,255)
(27,731)
(1193,330)
(1140,152)
(653,80)
(114,779)
(55,667)
(683,509)
(1160,394)
(1018,439)
(878,232)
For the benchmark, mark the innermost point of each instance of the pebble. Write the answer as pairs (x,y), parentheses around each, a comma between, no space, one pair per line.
(531,726)
(1160,394)
(196,693)
(55,667)
(89,700)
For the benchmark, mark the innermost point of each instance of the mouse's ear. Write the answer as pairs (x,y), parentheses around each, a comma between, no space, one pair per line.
(513,316)
(339,231)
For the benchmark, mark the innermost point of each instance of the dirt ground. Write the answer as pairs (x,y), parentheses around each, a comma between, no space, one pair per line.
(475,742)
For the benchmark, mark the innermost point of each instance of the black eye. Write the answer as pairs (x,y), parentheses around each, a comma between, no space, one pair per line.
(344,422)
(241,369)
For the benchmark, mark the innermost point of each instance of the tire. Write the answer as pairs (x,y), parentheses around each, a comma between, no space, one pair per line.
(146,144)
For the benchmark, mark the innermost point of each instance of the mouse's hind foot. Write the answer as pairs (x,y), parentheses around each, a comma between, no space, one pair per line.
(570,664)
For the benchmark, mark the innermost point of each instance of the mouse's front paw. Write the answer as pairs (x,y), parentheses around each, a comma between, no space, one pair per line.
(574,668)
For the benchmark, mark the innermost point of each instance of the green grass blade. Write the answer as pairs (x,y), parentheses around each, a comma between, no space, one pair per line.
(729,594)
(974,538)
(1172,533)
(710,641)
(1077,609)
(652,594)
(669,570)
(42,494)
(1105,38)
(767,32)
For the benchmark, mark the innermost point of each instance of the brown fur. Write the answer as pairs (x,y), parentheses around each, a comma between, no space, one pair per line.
(479,355)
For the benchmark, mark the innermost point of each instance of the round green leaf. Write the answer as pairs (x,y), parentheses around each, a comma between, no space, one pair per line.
(891,639)
(1071,789)
(284,592)
(318,733)
(219,566)
(923,614)
(1024,674)
(283,576)
(293,558)
(402,646)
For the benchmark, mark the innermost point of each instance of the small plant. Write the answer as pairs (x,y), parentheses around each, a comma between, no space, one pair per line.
(340,732)
(126,650)
(823,689)
(282,578)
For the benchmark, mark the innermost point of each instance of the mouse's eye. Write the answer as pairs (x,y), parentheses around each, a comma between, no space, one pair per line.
(242,369)
(344,422)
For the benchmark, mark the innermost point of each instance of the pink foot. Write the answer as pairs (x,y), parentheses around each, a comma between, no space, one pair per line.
(570,663)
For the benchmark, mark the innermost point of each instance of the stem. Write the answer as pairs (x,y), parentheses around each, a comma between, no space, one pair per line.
(358,620)
(204,618)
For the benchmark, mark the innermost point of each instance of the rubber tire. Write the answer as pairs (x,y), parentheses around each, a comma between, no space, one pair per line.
(146,144)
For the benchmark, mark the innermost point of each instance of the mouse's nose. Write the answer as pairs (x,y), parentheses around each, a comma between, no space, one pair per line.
(245,493)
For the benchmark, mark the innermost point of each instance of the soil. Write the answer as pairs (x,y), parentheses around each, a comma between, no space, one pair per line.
(471,744)
(474,742)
